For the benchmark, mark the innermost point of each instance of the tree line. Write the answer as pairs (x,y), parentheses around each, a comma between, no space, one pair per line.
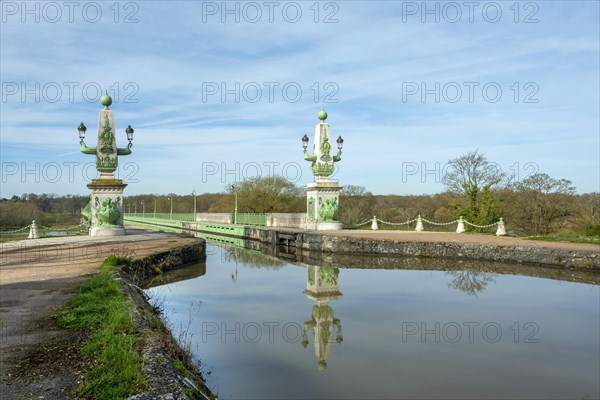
(475,190)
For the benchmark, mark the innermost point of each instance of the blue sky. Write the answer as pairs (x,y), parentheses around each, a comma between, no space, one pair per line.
(409,86)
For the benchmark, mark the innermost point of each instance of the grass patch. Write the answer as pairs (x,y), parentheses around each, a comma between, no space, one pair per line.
(12,239)
(568,236)
(113,261)
(102,308)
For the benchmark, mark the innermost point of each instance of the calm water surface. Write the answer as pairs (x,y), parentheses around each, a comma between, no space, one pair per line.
(265,328)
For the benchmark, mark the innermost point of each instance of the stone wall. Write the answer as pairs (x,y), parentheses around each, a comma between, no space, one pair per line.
(286,220)
(520,252)
(144,268)
(217,218)
(281,220)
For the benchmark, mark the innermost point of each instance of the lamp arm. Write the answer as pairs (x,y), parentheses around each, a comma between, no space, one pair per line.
(126,151)
(308,157)
(338,156)
(87,150)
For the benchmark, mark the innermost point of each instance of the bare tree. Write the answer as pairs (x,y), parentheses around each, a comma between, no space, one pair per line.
(542,202)
(475,179)
(356,205)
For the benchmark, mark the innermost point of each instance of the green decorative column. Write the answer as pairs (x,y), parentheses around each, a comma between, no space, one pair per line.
(322,287)
(106,199)
(322,195)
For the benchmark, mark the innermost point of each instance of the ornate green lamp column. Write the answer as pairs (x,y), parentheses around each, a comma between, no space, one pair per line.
(322,287)
(106,200)
(322,195)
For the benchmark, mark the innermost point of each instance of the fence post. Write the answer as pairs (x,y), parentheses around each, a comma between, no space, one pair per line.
(461,225)
(374,225)
(419,226)
(501,231)
(33,231)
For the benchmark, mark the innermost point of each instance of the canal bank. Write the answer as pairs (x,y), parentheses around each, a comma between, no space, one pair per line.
(38,278)
(447,245)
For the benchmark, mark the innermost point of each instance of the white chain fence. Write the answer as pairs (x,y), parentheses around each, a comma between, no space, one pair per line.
(16,230)
(37,228)
(460,228)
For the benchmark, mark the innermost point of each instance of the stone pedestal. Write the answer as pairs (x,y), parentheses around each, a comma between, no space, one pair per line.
(107,207)
(322,206)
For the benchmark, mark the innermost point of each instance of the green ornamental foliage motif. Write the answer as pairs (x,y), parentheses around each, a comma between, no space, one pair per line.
(322,313)
(87,213)
(328,210)
(107,162)
(322,169)
(311,209)
(107,211)
(107,138)
(325,147)
(328,276)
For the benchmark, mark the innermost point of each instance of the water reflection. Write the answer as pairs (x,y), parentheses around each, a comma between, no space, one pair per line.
(470,282)
(249,258)
(322,287)
(468,326)
(180,274)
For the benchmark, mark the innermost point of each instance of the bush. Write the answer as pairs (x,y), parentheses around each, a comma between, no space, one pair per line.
(592,230)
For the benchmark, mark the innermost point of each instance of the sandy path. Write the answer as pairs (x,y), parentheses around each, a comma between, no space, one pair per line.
(38,359)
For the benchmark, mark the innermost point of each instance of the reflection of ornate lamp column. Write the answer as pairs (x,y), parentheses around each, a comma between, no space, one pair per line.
(322,195)
(322,287)
(107,192)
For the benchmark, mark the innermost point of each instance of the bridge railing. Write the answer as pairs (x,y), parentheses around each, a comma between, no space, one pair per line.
(151,215)
(259,219)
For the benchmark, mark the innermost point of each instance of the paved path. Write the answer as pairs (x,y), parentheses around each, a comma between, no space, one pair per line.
(37,279)
(53,258)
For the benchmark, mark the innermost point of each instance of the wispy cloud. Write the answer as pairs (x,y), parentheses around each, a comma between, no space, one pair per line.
(361,69)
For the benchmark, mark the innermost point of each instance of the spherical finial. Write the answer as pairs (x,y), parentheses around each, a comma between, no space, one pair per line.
(105,100)
(322,115)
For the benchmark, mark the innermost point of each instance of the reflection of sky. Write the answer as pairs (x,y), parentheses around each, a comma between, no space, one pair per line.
(373,361)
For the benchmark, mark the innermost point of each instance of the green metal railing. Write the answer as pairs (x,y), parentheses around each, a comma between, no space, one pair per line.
(259,219)
(178,226)
(151,215)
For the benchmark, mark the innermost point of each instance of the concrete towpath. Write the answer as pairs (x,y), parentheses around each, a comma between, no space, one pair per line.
(39,360)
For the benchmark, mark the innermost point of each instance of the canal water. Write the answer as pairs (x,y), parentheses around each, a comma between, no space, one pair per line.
(327,327)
